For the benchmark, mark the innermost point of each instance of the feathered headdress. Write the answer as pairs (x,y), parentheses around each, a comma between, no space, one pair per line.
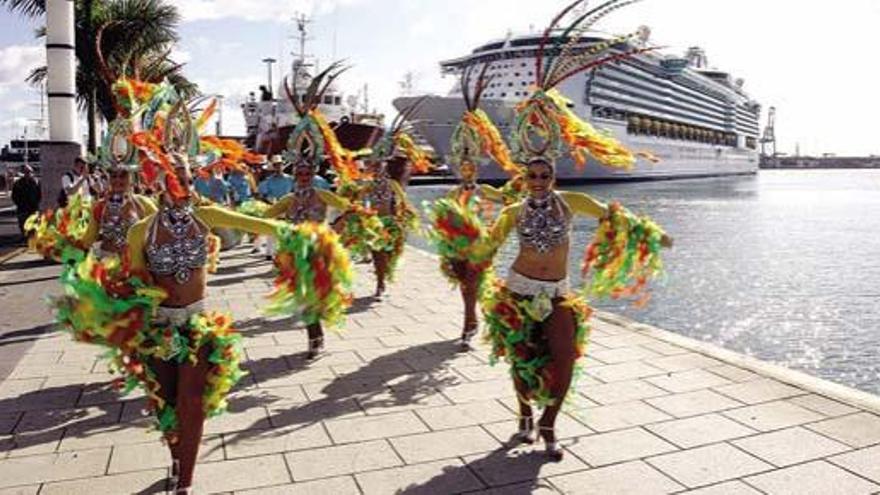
(544,122)
(397,139)
(476,136)
(312,140)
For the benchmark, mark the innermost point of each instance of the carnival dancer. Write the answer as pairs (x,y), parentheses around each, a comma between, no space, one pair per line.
(119,209)
(271,189)
(534,321)
(306,147)
(457,220)
(386,198)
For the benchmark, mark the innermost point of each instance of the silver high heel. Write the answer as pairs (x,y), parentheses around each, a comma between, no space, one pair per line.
(525,433)
(553,451)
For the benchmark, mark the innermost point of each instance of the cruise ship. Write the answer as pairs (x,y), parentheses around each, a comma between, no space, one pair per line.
(697,120)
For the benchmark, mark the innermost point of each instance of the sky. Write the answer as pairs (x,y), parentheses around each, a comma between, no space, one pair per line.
(814,61)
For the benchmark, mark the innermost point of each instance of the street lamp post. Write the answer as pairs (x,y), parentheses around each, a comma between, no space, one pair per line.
(269,61)
(58,153)
(220,115)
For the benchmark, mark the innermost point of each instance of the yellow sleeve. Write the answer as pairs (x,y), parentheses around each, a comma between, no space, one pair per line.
(136,241)
(583,204)
(504,224)
(492,193)
(280,206)
(146,204)
(333,200)
(92,230)
(217,216)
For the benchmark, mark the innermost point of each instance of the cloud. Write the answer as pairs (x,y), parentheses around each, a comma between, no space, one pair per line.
(180,55)
(254,10)
(17,61)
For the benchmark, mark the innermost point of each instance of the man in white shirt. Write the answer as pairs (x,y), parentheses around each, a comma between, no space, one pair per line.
(77,181)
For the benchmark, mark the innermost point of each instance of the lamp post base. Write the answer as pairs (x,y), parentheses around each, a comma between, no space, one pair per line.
(55,159)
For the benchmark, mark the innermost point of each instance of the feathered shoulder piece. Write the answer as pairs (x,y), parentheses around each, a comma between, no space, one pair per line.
(544,123)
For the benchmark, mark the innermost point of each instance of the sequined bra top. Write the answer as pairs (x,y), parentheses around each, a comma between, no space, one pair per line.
(381,193)
(306,207)
(115,222)
(187,250)
(544,223)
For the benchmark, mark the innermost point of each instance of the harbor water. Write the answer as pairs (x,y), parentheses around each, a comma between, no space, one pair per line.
(783,265)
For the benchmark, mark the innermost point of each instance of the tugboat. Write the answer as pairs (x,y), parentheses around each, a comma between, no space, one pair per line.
(271,118)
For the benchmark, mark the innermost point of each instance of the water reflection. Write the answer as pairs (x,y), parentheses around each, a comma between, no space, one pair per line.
(782,266)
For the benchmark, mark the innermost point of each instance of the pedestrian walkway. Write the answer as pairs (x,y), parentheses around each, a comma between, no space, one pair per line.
(394,408)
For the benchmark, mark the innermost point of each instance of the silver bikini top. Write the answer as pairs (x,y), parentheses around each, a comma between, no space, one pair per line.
(543,223)
(114,222)
(186,251)
(381,192)
(305,209)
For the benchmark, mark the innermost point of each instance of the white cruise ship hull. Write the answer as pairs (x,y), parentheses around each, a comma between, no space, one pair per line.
(437,117)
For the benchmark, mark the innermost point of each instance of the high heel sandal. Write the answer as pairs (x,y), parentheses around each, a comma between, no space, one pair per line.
(526,430)
(316,348)
(470,330)
(553,451)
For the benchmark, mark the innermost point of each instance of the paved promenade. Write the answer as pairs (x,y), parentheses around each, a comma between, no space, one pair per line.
(394,408)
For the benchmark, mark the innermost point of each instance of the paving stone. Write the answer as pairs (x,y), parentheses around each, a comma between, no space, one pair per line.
(397,401)
(734,373)
(472,413)
(773,415)
(856,430)
(40,400)
(72,419)
(617,446)
(120,434)
(700,430)
(138,457)
(791,446)
(241,474)
(623,371)
(30,443)
(622,339)
(664,348)
(683,362)
(757,391)
(613,393)
(21,490)
(342,459)
(623,354)
(693,403)
(480,391)
(8,420)
(822,405)
(535,487)
(728,488)
(619,416)
(707,465)
(248,419)
(566,427)
(313,412)
(631,478)
(342,485)
(687,381)
(14,389)
(439,380)
(450,476)
(814,478)
(53,467)
(145,481)
(262,442)
(483,373)
(374,427)
(444,444)
(522,463)
(863,462)
(388,367)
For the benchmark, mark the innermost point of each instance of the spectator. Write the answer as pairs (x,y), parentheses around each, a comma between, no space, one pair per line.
(26,195)
(213,187)
(240,184)
(275,186)
(76,181)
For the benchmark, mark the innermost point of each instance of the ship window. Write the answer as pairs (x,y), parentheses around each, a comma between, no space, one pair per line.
(328,100)
(530,73)
(337,100)
(523,83)
(503,95)
(516,74)
(510,85)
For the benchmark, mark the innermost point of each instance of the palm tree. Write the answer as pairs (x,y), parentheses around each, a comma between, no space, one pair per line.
(136,37)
